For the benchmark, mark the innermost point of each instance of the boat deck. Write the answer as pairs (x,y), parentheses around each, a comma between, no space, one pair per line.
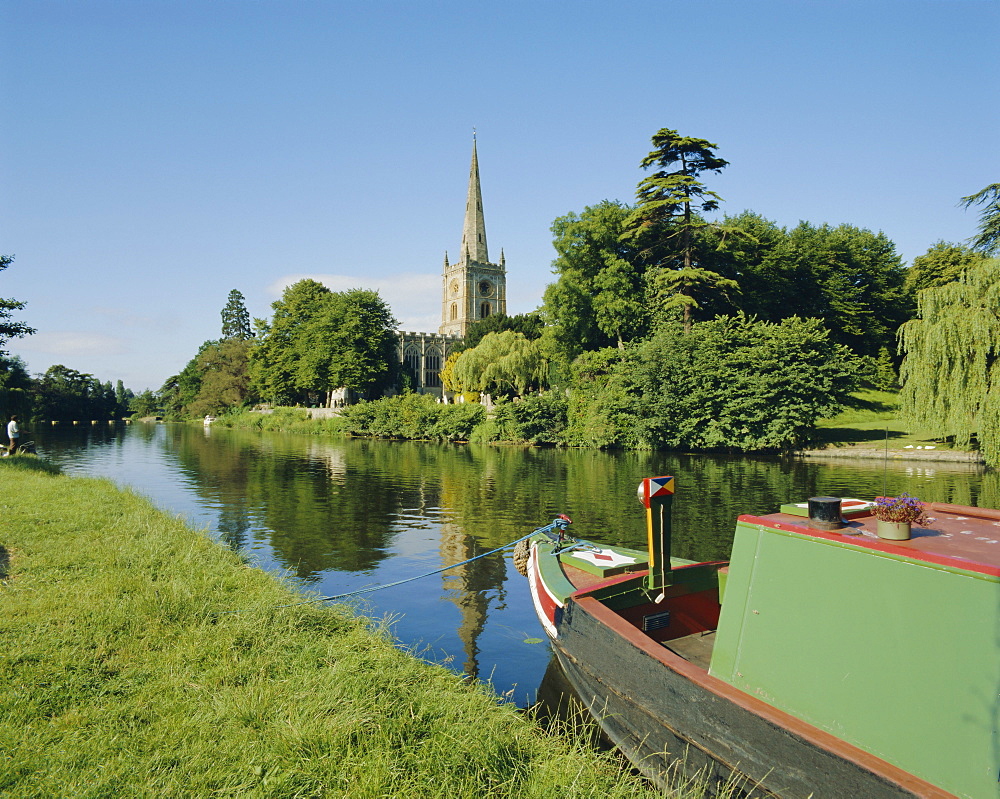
(957,536)
(696,649)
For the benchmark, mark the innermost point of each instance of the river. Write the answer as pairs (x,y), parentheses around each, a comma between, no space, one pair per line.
(340,515)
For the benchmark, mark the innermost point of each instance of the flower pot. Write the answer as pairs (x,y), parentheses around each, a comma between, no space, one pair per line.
(894,531)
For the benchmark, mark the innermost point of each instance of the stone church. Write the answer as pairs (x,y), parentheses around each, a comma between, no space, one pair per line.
(472,288)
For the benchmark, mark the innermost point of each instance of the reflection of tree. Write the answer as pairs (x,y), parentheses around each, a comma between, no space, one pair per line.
(332,504)
(316,520)
(234,524)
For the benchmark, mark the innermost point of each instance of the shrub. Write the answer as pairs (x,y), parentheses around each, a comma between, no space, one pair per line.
(413,416)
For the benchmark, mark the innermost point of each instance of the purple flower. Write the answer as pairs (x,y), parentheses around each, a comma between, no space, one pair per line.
(903,508)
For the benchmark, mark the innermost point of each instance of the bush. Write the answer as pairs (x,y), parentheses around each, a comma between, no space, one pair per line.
(732,383)
(536,419)
(413,416)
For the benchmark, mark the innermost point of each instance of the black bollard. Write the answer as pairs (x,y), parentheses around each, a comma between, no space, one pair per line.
(824,513)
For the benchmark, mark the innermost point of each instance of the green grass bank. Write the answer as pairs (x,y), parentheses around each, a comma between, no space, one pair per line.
(873,424)
(124,675)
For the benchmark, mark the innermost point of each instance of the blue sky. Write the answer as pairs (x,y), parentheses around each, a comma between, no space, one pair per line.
(155,155)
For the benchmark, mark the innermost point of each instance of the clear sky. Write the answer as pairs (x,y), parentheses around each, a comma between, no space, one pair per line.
(155,155)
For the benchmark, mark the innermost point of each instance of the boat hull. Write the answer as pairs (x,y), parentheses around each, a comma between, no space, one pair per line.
(659,708)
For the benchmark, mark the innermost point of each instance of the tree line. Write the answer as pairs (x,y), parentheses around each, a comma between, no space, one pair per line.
(666,325)
(316,343)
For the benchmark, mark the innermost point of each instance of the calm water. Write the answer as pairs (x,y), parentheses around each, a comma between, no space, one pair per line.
(343,515)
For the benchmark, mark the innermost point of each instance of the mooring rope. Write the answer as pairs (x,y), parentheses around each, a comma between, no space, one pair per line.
(555,524)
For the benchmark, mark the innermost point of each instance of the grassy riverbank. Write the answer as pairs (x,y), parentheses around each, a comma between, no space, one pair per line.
(125,673)
(873,422)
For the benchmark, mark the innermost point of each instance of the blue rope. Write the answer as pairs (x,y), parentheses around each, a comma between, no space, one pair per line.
(556,524)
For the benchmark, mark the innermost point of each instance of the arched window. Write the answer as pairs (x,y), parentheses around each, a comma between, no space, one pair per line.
(412,359)
(432,367)
(484,310)
(454,312)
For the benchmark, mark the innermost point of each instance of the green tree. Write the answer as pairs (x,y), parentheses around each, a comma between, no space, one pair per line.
(950,373)
(942,263)
(8,327)
(224,378)
(64,394)
(15,388)
(597,299)
(319,341)
(530,325)
(351,344)
(848,277)
(988,239)
(145,404)
(504,364)
(123,396)
(180,390)
(729,383)
(274,367)
(235,318)
(666,223)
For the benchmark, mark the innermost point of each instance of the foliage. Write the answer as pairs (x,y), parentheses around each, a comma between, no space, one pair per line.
(951,367)
(319,341)
(236,318)
(848,277)
(224,379)
(504,364)
(145,404)
(731,383)
(413,416)
(65,395)
(529,325)
(901,509)
(597,299)
(9,328)
(448,369)
(537,419)
(274,367)
(181,390)
(878,372)
(665,223)
(942,263)
(16,388)
(988,239)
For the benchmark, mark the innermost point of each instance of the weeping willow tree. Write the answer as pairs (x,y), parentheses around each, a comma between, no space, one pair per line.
(503,364)
(951,367)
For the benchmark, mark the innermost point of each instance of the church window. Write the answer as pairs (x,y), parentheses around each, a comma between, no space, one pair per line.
(454,312)
(432,368)
(484,310)
(412,359)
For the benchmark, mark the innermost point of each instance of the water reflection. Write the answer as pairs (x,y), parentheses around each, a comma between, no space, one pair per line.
(340,515)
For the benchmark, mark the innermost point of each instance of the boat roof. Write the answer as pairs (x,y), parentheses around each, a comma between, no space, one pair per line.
(957,536)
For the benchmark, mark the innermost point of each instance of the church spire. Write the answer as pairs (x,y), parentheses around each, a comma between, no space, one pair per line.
(474,230)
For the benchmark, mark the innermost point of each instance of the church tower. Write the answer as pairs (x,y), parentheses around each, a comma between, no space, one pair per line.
(474,288)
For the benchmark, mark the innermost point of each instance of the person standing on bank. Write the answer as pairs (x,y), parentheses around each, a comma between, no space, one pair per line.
(13,433)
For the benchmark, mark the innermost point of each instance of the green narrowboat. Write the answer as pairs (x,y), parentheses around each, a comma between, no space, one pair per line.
(821,660)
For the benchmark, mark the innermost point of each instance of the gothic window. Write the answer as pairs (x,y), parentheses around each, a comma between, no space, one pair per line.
(432,368)
(412,359)
(454,311)
(484,310)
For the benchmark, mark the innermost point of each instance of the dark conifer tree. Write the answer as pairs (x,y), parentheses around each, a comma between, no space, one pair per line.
(235,318)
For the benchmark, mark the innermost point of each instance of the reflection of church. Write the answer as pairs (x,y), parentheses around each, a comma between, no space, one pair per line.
(474,288)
